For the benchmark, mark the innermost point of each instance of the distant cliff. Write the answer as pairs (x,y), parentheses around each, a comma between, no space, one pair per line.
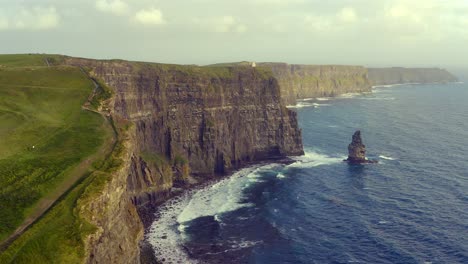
(307,81)
(189,123)
(398,75)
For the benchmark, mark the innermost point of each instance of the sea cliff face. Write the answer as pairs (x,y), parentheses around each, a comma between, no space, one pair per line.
(118,226)
(398,75)
(189,123)
(308,81)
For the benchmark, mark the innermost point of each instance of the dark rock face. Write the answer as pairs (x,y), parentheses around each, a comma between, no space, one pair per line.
(189,123)
(357,150)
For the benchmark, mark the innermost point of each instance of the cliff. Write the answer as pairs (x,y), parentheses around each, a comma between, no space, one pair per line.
(189,123)
(398,75)
(308,81)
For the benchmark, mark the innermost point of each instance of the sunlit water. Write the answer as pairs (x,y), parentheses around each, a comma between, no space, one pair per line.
(412,207)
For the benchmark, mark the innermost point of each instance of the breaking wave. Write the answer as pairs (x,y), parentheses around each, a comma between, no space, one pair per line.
(167,233)
(303,104)
(386,157)
(312,159)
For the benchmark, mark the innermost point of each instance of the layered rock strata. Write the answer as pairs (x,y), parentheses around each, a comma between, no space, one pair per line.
(311,81)
(190,123)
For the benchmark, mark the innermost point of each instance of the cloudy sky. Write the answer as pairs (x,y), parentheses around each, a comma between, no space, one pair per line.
(364,32)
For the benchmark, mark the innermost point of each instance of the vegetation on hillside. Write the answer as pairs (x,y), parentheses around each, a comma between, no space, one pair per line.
(29,60)
(42,105)
(44,133)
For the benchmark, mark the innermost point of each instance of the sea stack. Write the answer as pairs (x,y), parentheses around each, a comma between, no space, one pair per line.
(357,150)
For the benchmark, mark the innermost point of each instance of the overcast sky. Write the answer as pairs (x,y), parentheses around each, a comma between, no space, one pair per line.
(364,32)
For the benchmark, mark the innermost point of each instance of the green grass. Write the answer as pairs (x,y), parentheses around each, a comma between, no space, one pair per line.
(44,133)
(22,60)
(59,236)
(102,93)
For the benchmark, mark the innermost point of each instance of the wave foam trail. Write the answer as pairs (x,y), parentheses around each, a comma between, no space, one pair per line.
(280,176)
(349,95)
(314,159)
(380,98)
(224,196)
(164,235)
(306,104)
(167,232)
(221,197)
(386,157)
(393,85)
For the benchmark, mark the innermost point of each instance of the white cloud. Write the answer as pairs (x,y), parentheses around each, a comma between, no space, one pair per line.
(345,17)
(150,16)
(36,18)
(3,23)
(411,19)
(228,24)
(224,24)
(116,7)
(318,23)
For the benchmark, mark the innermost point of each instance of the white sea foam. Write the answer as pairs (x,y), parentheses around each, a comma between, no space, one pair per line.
(394,85)
(349,95)
(167,233)
(314,159)
(303,104)
(164,235)
(386,157)
(280,176)
(379,98)
(224,196)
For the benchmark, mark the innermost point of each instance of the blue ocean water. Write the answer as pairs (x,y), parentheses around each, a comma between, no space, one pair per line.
(412,207)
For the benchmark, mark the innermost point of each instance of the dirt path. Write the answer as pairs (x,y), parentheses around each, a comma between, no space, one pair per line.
(73,175)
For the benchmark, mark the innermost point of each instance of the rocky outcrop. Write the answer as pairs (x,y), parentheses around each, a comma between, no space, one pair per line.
(119,228)
(310,81)
(357,150)
(398,75)
(190,123)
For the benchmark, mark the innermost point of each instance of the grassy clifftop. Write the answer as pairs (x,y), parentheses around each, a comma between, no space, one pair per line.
(29,60)
(48,143)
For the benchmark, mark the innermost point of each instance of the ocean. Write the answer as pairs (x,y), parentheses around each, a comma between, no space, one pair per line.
(411,207)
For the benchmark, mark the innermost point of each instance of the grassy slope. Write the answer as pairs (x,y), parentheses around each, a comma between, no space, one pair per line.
(47,112)
(22,60)
(40,107)
(58,236)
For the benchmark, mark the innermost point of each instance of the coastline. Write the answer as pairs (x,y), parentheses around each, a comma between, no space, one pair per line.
(149,213)
(411,83)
